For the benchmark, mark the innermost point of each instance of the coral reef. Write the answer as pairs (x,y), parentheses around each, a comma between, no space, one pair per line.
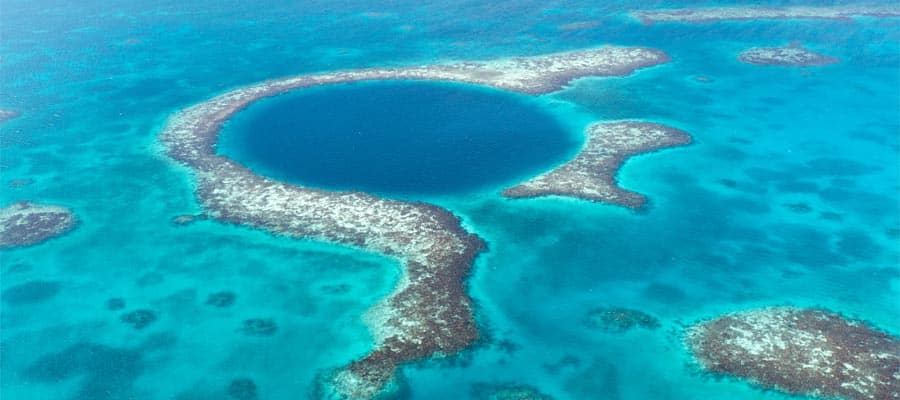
(714,14)
(242,389)
(115,303)
(95,371)
(341,288)
(221,299)
(259,327)
(187,219)
(793,56)
(488,391)
(26,224)
(30,292)
(139,319)
(429,312)
(801,351)
(618,319)
(799,207)
(591,175)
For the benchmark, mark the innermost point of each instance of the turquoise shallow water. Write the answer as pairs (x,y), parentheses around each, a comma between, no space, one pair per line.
(788,196)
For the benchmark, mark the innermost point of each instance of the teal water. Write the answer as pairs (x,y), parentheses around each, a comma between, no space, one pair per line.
(399,138)
(724,229)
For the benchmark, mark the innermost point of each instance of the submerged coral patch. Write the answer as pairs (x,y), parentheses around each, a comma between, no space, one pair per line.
(30,292)
(105,373)
(800,351)
(242,389)
(619,319)
(115,303)
(26,224)
(259,327)
(139,319)
(221,299)
(187,219)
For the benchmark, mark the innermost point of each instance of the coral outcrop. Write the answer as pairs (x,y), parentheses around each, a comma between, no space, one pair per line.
(801,351)
(591,175)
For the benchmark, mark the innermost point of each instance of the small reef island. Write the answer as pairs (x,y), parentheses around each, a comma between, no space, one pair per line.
(715,14)
(791,56)
(429,312)
(591,174)
(801,351)
(25,224)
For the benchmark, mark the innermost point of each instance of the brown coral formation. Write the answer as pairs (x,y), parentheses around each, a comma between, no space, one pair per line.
(792,56)
(26,224)
(801,351)
(715,14)
(429,312)
(591,175)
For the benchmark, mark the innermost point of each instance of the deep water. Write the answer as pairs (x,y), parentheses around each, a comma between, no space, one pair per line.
(399,138)
(789,195)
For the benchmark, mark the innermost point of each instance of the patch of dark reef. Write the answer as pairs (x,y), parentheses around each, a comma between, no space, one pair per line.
(729,183)
(242,389)
(187,219)
(259,327)
(619,319)
(221,299)
(336,289)
(107,373)
(799,208)
(115,303)
(30,292)
(566,362)
(139,319)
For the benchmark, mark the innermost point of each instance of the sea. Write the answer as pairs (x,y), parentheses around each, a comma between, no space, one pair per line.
(789,194)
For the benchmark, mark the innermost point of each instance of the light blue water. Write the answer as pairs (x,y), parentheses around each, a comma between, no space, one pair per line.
(723,232)
(399,138)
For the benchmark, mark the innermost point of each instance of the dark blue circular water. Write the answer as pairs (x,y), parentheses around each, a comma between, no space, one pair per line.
(395,137)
